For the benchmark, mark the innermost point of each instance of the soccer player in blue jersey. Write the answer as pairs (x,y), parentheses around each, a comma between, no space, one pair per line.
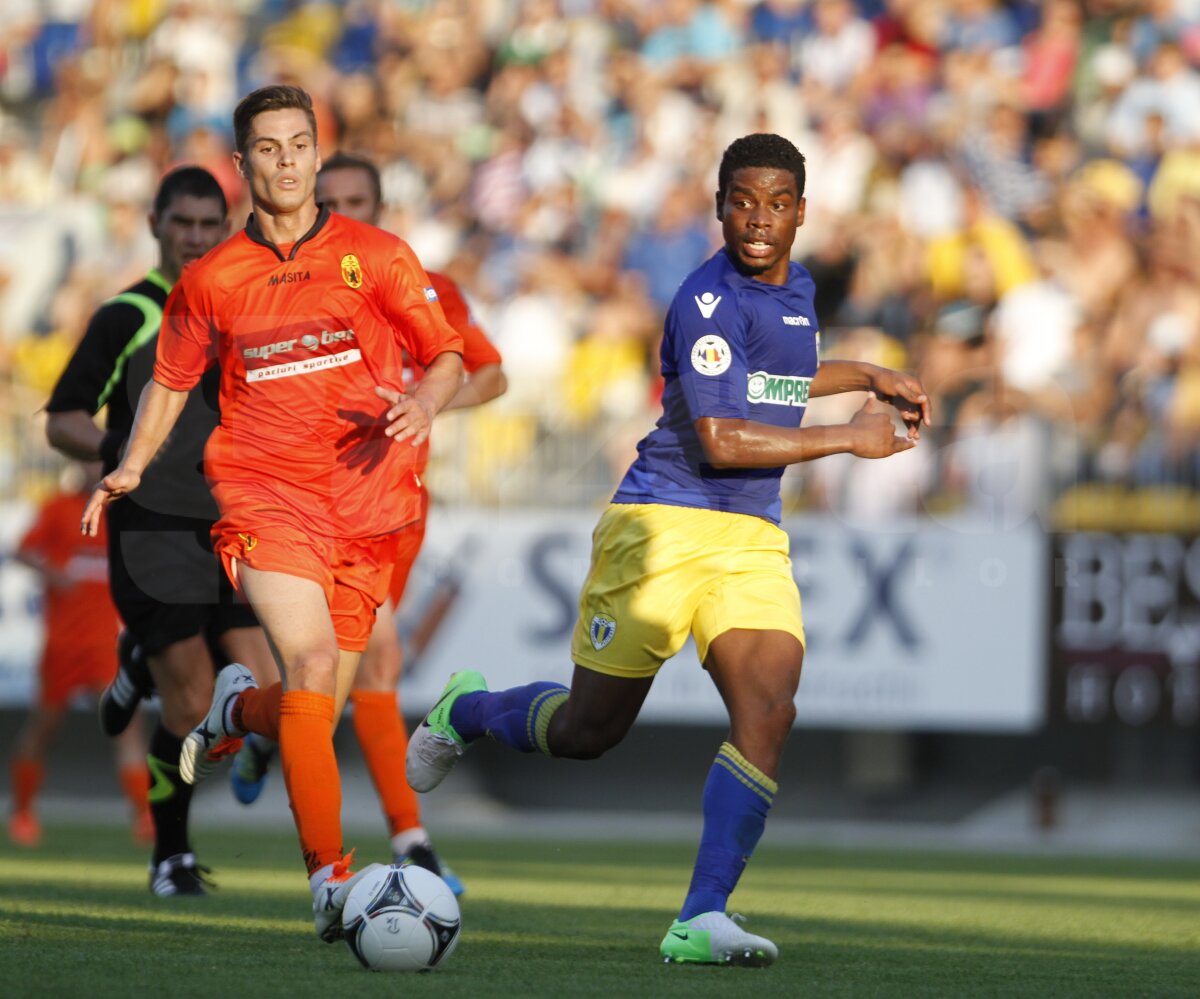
(691,542)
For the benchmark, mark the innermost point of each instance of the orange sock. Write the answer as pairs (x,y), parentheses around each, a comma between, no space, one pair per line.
(310,772)
(26,782)
(384,742)
(257,711)
(135,781)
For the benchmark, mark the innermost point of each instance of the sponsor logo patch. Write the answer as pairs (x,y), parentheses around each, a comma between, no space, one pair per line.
(711,355)
(796,321)
(292,368)
(310,341)
(777,390)
(352,271)
(430,295)
(602,631)
(289,277)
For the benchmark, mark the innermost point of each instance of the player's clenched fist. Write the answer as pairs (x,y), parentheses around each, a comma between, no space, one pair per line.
(113,486)
(875,435)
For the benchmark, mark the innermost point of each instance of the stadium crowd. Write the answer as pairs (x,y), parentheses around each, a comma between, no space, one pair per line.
(1003,197)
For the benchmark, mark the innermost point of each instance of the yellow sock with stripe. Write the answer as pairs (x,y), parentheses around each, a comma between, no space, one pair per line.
(737,798)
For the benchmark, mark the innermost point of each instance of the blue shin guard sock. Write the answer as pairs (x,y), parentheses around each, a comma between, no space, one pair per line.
(737,797)
(518,717)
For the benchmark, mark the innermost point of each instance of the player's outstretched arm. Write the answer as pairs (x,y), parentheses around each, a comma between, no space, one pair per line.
(158,410)
(483,385)
(903,392)
(747,444)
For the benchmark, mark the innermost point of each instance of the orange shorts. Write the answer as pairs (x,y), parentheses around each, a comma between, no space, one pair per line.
(408,547)
(353,572)
(67,669)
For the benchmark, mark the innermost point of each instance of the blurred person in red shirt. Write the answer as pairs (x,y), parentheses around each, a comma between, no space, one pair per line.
(78,655)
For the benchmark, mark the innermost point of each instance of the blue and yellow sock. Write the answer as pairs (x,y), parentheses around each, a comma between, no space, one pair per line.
(737,797)
(518,717)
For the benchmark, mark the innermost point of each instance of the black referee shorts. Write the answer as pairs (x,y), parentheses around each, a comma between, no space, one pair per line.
(166,582)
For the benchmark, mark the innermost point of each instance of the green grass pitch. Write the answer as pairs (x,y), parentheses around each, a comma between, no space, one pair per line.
(565,918)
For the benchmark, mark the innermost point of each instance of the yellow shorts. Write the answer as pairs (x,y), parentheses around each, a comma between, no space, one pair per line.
(659,572)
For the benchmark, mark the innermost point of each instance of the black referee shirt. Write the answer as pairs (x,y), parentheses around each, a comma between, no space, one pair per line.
(110,367)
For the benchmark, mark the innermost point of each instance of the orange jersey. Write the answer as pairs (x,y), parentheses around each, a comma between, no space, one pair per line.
(478,350)
(303,334)
(80,617)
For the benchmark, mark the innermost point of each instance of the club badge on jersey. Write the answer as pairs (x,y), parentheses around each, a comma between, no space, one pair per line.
(602,631)
(351,271)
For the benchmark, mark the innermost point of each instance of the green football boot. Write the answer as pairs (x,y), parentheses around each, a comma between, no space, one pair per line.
(715,938)
(435,747)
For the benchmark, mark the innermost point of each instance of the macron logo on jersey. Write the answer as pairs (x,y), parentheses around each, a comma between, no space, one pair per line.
(707,303)
(796,321)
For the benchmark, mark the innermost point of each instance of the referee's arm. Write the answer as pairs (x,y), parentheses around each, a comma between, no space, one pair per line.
(75,434)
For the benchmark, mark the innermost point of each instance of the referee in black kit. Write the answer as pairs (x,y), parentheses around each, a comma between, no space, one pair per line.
(181,617)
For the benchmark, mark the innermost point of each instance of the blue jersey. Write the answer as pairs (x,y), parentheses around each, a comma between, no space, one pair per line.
(733,348)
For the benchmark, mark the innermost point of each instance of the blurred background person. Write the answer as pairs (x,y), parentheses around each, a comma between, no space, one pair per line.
(80,627)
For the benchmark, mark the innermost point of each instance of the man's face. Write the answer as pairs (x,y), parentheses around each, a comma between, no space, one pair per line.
(760,214)
(281,160)
(349,191)
(187,229)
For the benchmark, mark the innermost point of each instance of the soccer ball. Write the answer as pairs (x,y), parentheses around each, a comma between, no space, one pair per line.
(401,919)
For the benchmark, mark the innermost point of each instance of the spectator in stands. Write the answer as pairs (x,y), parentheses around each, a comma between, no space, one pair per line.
(536,131)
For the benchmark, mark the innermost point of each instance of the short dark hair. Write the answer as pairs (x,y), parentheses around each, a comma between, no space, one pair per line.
(188,180)
(278,97)
(762,149)
(345,161)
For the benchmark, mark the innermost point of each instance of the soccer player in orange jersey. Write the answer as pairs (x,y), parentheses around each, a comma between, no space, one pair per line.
(350,186)
(314,463)
(81,626)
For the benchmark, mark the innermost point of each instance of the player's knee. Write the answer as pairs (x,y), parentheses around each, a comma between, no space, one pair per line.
(313,669)
(780,717)
(769,717)
(379,668)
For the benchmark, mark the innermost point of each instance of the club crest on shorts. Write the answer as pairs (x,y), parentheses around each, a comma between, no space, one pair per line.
(351,271)
(249,542)
(711,355)
(602,630)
